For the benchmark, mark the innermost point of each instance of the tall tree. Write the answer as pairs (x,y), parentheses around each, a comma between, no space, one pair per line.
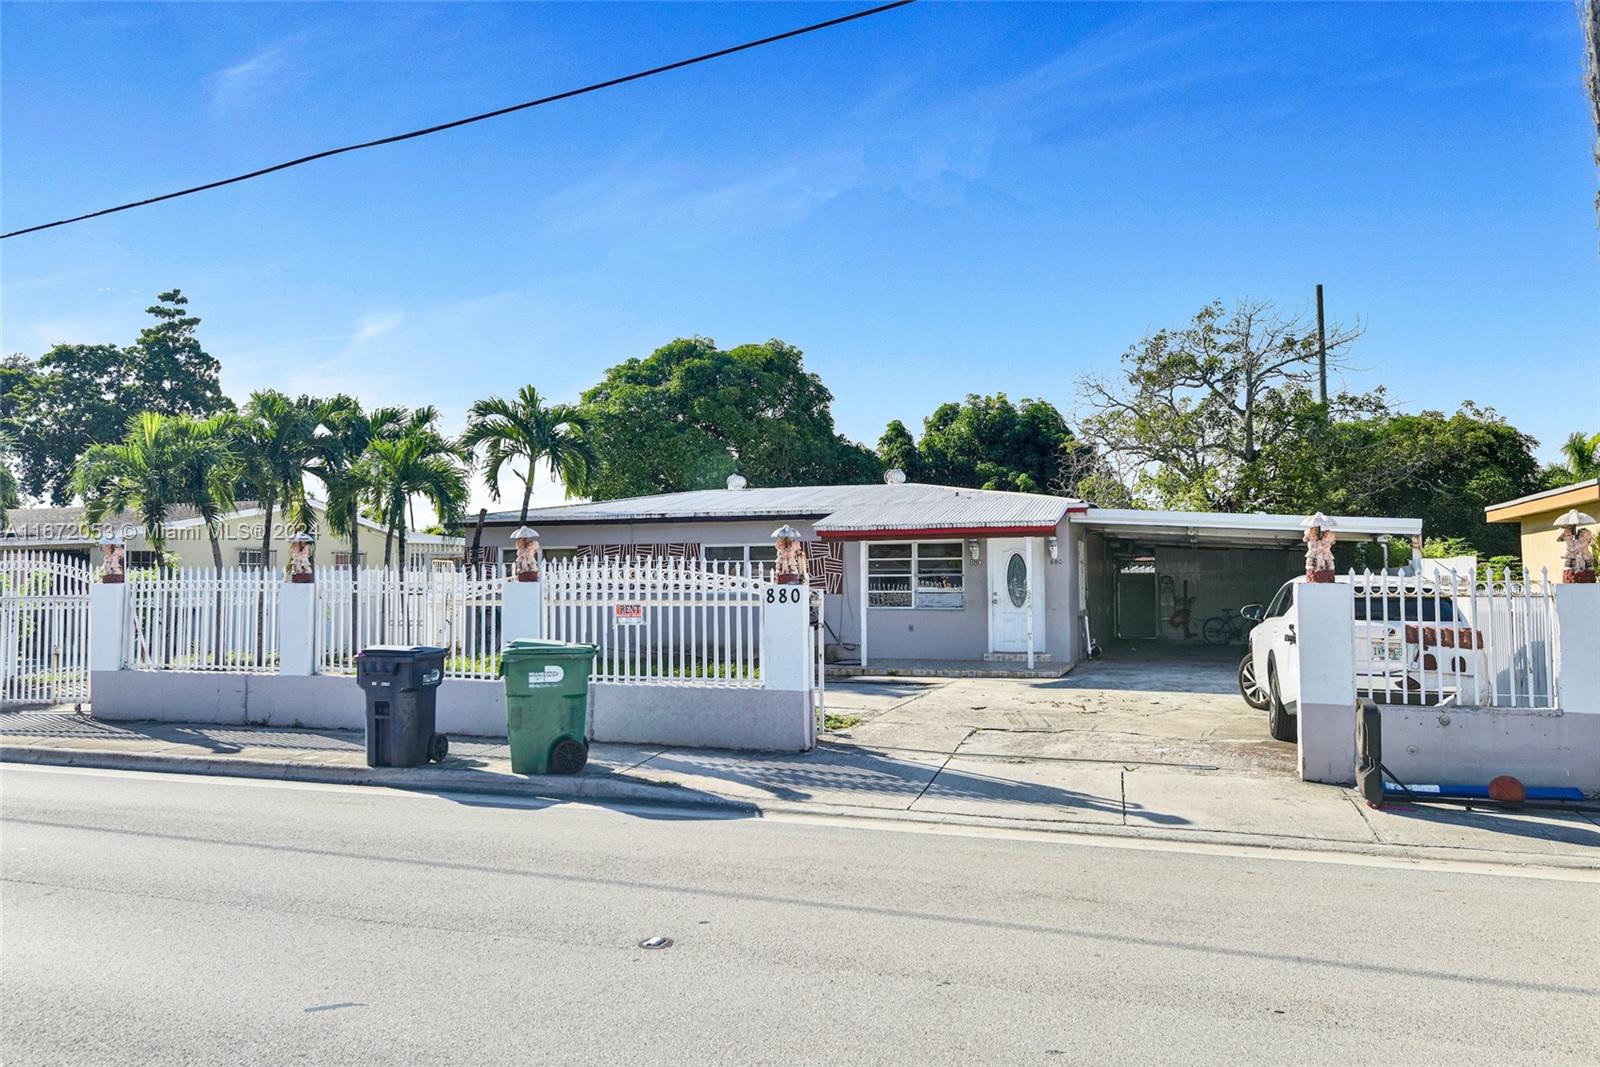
(345,433)
(529,431)
(136,474)
(897,450)
(690,414)
(275,439)
(78,395)
(988,442)
(1581,453)
(1197,408)
(419,463)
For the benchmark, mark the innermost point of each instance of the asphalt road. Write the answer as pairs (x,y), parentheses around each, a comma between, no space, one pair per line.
(151,919)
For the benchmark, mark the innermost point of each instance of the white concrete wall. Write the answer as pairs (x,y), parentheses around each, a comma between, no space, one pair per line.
(323,701)
(1470,746)
(1325,646)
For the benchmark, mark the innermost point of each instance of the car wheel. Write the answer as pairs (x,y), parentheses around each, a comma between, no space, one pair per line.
(1280,724)
(1249,688)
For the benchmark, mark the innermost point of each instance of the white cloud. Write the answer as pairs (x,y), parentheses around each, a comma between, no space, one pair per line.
(249,80)
(376,325)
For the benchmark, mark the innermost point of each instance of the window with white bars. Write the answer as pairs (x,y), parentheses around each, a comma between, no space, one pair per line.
(342,559)
(743,559)
(922,574)
(251,557)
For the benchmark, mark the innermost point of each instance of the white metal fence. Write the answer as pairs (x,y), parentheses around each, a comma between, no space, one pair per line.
(1456,638)
(668,621)
(44,628)
(202,619)
(457,610)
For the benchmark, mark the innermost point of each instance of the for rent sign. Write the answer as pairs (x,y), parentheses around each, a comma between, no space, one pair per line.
(628,614)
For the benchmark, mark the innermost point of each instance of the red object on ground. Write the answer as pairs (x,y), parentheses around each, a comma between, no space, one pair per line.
(1507,790)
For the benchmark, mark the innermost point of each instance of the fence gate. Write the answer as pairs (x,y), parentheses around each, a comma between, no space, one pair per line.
(44,628)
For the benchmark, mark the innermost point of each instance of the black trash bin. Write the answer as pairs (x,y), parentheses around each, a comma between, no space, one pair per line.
(402,685)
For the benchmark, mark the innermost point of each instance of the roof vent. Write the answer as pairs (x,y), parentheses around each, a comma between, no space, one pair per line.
(737,481)
(894,476)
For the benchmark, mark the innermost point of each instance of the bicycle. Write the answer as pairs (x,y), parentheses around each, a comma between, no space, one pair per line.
(1226,628)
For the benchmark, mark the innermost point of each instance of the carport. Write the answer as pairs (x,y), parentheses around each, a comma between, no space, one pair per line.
(1157,576)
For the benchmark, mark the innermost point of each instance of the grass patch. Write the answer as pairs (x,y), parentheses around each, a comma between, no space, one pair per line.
(831,721)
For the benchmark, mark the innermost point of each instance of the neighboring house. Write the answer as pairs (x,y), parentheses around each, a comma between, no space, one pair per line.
(933,572)
(1537,512)
(65,530)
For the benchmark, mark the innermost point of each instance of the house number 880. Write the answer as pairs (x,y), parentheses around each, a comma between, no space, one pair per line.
(783,596)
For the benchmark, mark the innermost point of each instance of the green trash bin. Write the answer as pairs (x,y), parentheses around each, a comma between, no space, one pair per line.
(547,705)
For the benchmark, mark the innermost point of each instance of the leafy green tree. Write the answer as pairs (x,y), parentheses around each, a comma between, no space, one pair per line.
(1443,469)
(529,431)
(79,395)
(690,414)
(897,450)
(988,442)
(1198,409)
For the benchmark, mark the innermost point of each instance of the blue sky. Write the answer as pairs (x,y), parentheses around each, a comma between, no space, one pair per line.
(946,199)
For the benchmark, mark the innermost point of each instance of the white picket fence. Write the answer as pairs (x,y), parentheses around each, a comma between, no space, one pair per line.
(669,621)
(1457,638)
(44,628)
(202,619)
(457,610)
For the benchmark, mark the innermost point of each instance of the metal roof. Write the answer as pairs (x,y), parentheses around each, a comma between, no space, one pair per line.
(836,509)
(1218,527)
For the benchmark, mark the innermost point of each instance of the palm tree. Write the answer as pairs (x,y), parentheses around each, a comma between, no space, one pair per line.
(274,438)
(417,463)
(1582,453)
(165,462)
(527,429)
(205,470)
(135,474)
(344,434)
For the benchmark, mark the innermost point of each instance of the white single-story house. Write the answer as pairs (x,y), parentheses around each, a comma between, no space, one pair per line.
(66,530)
(917,572)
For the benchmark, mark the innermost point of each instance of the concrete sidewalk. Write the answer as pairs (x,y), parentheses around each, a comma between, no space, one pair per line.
(930,772)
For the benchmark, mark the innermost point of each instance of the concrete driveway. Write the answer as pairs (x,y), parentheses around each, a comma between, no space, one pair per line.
(1133,706)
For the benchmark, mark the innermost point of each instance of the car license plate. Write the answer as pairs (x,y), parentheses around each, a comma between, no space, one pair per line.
(1384,650)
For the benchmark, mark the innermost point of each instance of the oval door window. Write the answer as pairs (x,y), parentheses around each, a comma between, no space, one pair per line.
(1017,579)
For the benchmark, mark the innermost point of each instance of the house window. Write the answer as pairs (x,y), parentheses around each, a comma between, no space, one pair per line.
(926,574)
(743,559)
(250,558)
(342,559)
(143,559)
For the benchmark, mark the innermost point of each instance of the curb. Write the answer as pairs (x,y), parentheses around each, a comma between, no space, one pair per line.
(427,779)
(616,788)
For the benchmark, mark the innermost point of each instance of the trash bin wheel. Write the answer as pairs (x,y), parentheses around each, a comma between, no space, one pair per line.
(438,748)
(569,756)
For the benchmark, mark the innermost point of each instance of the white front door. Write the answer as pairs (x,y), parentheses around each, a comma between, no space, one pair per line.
(1012,592)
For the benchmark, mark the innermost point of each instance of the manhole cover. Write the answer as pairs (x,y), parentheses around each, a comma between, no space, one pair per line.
(656,942)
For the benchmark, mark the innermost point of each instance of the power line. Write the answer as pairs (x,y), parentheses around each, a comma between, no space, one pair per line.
(569,94)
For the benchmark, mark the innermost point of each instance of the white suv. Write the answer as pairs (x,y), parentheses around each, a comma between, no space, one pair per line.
(1392,642)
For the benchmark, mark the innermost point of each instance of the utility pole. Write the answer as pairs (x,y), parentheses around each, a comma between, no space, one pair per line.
(1322,354)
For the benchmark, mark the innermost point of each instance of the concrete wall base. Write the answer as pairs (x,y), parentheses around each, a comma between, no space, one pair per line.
(757,719)
(323,701)
(773,720)
(1469,746)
